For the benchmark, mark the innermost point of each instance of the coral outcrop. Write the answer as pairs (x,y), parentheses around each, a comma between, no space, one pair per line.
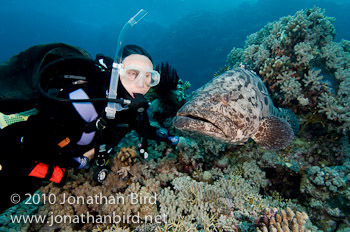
(302,65)
(308,72)
(287,220)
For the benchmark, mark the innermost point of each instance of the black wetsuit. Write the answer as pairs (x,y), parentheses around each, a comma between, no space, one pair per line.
(38,140)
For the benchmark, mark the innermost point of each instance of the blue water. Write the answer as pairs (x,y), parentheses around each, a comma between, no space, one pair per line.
(194,36)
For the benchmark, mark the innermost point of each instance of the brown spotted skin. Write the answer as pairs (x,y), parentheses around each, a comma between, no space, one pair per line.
(229,108)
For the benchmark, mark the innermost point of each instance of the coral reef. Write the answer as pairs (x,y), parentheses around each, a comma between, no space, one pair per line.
(169,95)
(127,156)
(226,196)
(208,186)
(25,208)
(327,191)
(228,204)
(306,71)
(301,65)
(128,190)
(287,220)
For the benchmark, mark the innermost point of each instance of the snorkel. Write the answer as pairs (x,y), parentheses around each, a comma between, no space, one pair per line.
(101,172)
(111,107)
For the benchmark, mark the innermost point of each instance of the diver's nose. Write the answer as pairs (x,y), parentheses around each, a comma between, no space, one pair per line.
(140,82)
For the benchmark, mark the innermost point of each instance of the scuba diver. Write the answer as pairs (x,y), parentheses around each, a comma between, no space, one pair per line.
(65,134)
(73,124)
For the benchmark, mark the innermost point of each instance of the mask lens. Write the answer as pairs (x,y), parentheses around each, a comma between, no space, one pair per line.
(155,77)
(134,74)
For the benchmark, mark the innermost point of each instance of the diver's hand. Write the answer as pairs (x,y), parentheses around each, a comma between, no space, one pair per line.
(90,154)
(163,135)
(82,160)
(181,143)
(85,158)
(174,140)
(139,103)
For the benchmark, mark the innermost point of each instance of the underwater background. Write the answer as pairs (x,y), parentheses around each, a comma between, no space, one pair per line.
(194,36)
(301,51)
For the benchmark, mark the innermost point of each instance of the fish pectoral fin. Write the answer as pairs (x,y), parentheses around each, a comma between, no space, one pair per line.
(273,134)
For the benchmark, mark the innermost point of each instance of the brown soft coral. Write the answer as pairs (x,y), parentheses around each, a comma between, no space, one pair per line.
(127,156)
(115,183)
(148,207)
(285,221)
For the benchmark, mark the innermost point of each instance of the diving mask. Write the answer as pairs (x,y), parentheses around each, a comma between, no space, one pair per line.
(140,76)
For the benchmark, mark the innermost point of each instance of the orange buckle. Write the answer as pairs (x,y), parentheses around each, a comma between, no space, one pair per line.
(64,142)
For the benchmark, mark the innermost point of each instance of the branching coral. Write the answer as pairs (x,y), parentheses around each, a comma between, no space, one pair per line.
(25,208)
(286,220)
(328,105)
(313,80)
(113,228)
(327,189)
(117,197)
(334,178)
(235,57)
(302,66)
(230,200)
(225,199)
(253,173)
(192,200)
(290,87)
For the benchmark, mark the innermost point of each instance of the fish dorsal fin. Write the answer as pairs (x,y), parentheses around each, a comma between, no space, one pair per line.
(273,134)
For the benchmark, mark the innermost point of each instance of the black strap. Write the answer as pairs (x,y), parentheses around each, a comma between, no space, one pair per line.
(101,154)
(95,125)
(142,131)
(49,172)
(90,127)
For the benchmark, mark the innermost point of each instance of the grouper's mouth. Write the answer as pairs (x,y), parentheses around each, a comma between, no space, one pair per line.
(199,124)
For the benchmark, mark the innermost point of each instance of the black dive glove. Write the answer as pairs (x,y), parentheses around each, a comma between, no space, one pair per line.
(139,103)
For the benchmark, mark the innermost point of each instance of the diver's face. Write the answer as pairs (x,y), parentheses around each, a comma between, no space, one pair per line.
(135,77)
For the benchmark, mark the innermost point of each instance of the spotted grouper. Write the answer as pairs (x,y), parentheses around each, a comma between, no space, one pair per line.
(234,107)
